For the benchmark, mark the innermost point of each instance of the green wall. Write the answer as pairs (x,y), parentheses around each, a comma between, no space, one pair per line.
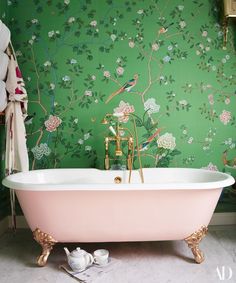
(74,54)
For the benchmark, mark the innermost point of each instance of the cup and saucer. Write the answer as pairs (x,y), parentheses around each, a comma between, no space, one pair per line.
(101,257)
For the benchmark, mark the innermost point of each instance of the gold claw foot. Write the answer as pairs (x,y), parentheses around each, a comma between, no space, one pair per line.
(193,242)
(47,242)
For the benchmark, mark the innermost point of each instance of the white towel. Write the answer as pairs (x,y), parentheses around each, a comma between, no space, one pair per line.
(4,36)
(16,111)
(4,59)
(3,96)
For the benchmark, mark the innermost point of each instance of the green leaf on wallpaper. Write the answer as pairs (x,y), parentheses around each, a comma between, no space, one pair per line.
(91,13)
(175,152)
(101,48)
(148,124)
(138,122)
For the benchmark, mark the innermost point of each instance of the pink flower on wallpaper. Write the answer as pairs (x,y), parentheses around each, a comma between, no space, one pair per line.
(106,74)
(225,117)
(120,71)
(211,167)
(52,123)
(125,108)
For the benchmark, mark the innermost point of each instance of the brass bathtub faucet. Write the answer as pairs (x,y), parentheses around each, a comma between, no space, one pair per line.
(118,151)
(118,139)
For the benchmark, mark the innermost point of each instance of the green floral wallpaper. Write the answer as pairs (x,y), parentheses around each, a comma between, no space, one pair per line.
(160,60)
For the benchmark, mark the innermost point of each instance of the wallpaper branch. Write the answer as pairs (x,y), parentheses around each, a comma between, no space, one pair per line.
(75,54)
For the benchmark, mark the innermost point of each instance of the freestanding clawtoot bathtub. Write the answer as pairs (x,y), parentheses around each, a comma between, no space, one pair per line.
(86,205)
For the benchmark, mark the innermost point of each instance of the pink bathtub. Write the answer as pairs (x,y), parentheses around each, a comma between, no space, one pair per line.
(86,205)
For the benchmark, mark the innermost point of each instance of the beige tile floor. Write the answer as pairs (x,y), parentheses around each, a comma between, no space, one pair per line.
(144,262)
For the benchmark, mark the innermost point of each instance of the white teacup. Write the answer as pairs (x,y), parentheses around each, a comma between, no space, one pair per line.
(101,256)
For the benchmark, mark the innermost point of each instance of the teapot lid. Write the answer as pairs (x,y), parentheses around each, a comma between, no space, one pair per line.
(77,252)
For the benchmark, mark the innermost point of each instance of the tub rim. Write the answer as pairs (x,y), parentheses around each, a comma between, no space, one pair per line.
(226,180)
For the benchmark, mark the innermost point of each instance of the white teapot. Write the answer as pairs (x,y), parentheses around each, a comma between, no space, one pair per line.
(79,259)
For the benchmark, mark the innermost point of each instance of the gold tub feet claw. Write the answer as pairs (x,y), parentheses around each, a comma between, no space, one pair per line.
(47,242)
(193,243)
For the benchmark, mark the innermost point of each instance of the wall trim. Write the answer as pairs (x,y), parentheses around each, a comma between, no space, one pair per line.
(223,218)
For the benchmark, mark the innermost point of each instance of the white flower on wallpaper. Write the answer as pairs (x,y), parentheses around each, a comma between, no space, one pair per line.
(35,21)
(151,107)
(86,136)
(66,78)
(181,7)
(230,143)
(155,46)
(40,150)
(52,86)
(211,99)
(93,23)
(190,140)
(227,101)
(183,102)
(166,141)
(47,64)
(106,74)
(73,61)
(71,20)
(32,40)
(113,37)
(53,33)
(182,24)
(88,93)
(131,44)
(140,12)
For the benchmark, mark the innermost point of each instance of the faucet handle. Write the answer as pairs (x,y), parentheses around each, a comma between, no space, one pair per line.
(119,152)
(107,163)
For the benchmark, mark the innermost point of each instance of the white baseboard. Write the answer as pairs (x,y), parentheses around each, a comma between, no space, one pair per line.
(224,218)
(21,222)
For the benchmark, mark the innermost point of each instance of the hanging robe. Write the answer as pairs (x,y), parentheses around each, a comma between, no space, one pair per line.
(16,158)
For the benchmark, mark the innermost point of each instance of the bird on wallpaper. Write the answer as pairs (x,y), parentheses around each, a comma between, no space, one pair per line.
(164,29)
(126,87)
(231,162)
(29,119)
(145,144)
